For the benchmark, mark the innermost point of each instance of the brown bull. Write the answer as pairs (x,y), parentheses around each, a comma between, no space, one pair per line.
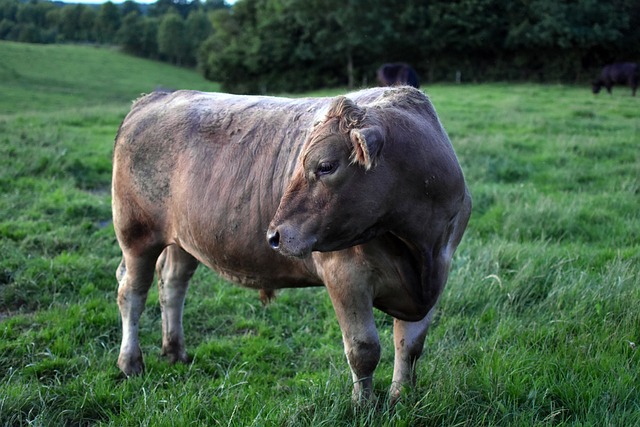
(362,194)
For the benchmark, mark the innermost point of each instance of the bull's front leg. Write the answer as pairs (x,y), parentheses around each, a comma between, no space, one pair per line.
(354,311)
(408,338)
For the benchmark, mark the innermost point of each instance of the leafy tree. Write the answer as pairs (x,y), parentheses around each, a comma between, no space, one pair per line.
(8,10)
(34,13)
(465,35)
(234,57)
(138,35)
(150,37)
(128,7)
(87,24)
(53,18)
(357,35)
(70,24)
(408,40)
(107,22)
(6,28)
(558,40)
(161,8)
(227,30)
(131,34)
(210,5)
(298,44)
(29,33)
(183,7)
(198,28)
(172,38)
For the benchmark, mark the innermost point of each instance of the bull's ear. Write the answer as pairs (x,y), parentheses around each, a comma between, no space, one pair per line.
(367,143)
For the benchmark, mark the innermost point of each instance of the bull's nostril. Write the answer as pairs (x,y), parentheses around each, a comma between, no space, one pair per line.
(274,239)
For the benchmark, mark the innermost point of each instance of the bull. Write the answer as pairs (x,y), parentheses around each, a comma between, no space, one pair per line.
(362,194)
(397,74)
(626,73)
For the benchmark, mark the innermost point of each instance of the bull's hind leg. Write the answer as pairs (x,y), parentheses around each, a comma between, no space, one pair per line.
(408,338)
(135,275)
(175,268)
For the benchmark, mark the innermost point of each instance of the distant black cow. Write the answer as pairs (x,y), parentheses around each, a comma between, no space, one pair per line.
(397,74)
(624,73)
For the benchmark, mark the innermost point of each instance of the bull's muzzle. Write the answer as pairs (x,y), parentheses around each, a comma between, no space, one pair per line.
(289,241)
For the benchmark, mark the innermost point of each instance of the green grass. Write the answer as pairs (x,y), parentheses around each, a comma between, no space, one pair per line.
(54,77)
(537,326)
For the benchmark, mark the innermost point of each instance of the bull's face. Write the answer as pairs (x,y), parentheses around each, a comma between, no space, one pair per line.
(595,87)
(335,198)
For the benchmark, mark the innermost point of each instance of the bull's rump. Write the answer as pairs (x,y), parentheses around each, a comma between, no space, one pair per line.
(206,172)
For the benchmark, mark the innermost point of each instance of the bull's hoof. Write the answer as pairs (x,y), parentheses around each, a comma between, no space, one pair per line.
(366,403)
(364,398)
(177,358)
(131,365)
(175,354)
(395,394)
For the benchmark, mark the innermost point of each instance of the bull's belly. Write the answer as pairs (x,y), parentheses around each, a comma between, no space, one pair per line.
(252,281)
(254,266)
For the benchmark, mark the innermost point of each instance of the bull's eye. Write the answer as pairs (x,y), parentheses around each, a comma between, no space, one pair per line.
(325,168)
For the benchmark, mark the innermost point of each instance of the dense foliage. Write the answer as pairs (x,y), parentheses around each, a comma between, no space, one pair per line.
(292,45)
(275,45)
(167,30)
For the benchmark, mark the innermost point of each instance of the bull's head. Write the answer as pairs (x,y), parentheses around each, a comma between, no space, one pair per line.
(596,86)
(335,198)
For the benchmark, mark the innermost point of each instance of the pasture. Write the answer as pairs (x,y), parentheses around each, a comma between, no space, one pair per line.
(539,323)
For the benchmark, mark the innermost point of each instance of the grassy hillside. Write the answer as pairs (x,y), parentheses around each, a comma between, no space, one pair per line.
(50,77)
(538,325)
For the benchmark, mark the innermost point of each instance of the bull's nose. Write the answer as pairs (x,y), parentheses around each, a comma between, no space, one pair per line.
(273,237)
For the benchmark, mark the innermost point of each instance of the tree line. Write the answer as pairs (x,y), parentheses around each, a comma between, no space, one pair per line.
(257,46)
(167,30)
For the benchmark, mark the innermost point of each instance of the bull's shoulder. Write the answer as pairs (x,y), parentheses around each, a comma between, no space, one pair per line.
(162,111)
(168,98)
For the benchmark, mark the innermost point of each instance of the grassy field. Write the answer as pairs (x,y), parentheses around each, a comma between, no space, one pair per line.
(538,325)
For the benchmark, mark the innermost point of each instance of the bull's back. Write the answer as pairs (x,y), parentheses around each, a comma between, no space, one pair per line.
(206,172)
(621,73)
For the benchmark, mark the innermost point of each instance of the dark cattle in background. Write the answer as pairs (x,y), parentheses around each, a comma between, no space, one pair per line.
(362,194)
(397,74)
(624,73)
